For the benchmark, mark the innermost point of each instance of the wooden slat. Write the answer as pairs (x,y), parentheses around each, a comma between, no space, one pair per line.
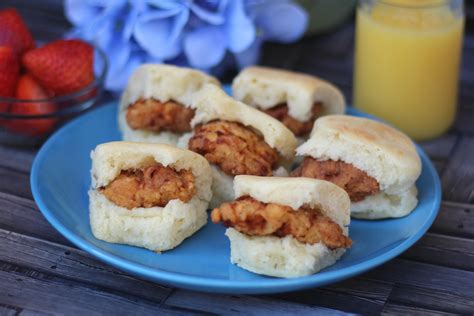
(453,252)
(15,182)
(428,298)
(240,304)
(439,165)
(464,120)
(458,184)
(455,221)
(369,290)
(395,309)
(73,264)
(16,158)
(466,94)
(417,274)
(465,206)
(49,294)
(29,312)
(467,64)
(357,295)
(6,310)
(419,285)
(440,148)
(21,215)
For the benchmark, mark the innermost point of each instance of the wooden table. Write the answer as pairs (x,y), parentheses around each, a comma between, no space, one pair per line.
(42,273)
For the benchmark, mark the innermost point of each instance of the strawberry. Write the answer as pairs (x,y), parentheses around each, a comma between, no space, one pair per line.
(63,66)
(29,89)
(14,32)
(9,72)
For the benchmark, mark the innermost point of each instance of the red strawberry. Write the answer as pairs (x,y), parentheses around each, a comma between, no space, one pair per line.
(14,32)
(63,66)
(9,72)
(28,88)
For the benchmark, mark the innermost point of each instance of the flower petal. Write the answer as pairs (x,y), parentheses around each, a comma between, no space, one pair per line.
(211,12)
(131,17)
(117,79)
(205,47)
(98,63)
(116,49)
(282,22)
(239,27)
(159,33)
(79,12)
(251,55)
(101,23)
(167,4)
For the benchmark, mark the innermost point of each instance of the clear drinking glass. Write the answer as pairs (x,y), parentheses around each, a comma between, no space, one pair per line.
(407,63)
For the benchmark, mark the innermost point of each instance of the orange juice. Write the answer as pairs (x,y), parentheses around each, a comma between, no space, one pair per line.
(407,63)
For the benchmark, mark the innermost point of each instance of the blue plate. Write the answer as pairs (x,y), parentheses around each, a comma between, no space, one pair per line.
(60,179)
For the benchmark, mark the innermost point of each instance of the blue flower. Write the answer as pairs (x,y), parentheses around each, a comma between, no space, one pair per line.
(198,33)
(109,24)
(159,32)
(206,45)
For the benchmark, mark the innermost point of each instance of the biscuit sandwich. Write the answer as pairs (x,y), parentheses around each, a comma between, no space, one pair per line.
(147,195)
(154,107)
(236,139)
(295,99)
(285,227)
(376,164)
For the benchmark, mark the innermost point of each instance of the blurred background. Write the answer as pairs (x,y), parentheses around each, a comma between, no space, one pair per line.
(326,49)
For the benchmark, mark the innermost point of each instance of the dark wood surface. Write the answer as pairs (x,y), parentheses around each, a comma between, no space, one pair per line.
(42,273)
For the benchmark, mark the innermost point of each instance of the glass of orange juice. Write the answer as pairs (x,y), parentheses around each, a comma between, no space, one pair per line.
(407,63)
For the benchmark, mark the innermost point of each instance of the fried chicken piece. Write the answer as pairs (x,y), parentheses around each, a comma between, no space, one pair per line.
(155,116)
(234,148)
(255,218)
(151,186)
(280,112)
(355,182)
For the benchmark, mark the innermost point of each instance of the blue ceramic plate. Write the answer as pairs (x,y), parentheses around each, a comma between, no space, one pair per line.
(60,179)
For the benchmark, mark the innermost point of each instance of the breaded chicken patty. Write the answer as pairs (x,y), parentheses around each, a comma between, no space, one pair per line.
(235,148)
(280,112)
(151,186)
(155,116)
(256,218)
(355,182)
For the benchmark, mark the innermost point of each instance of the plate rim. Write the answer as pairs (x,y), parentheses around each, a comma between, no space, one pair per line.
(266,286)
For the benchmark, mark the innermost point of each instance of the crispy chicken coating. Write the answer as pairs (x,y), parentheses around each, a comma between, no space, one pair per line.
(235,148)
(255,218)
(355,182)
(280,112)
(155,116)
(151,186)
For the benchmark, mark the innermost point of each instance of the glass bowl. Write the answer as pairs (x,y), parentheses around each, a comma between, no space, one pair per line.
(17,127)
